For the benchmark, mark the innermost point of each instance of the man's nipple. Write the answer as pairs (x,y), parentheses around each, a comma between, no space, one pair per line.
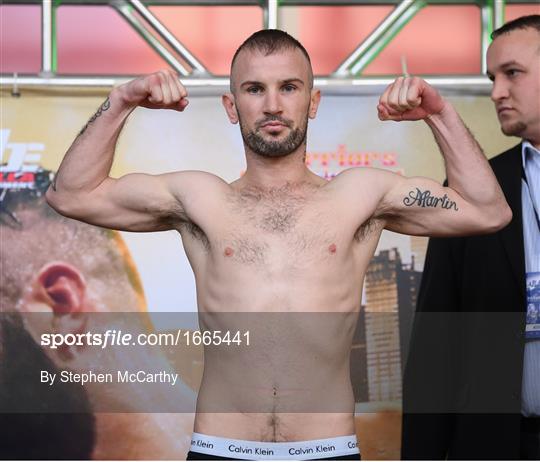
(332,248)
(228,252)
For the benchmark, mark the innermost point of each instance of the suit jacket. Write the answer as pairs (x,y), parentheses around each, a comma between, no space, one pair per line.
(462,382)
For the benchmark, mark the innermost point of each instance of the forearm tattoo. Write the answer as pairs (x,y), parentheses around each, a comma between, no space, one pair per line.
(106,105)
(425,199)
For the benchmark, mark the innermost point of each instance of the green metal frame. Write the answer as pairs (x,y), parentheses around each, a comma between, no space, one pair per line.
(137,14)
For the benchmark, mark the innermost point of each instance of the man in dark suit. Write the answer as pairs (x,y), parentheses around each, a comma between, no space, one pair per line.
(472,381)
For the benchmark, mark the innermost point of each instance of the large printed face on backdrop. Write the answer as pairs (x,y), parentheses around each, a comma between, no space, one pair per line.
(513,63)
(62,276)
(55,271)
(272,101)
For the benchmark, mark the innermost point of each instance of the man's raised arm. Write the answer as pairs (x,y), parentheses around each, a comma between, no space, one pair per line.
(473,202)
(82,188)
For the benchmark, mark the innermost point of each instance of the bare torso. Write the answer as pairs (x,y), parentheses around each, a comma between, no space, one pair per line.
(286,264)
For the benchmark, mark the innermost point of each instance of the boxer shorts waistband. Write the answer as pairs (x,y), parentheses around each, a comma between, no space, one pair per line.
(255,450)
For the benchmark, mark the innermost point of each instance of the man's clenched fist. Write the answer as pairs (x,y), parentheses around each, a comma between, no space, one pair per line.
(160,90)
(409,98)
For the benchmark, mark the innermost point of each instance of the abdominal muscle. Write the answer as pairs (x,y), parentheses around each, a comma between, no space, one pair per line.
(291,383)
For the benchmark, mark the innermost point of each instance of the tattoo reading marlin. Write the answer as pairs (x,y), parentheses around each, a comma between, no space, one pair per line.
(425,199)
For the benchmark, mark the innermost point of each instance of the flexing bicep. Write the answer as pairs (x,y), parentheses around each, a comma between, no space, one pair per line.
(135,202)
(421,206)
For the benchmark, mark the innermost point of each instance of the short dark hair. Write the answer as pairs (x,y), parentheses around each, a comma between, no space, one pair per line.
(524,22)
(270,41)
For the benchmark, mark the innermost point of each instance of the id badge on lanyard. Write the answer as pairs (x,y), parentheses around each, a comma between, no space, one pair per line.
(532,329)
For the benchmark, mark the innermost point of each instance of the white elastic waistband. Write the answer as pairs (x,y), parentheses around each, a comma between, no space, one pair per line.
(255,450)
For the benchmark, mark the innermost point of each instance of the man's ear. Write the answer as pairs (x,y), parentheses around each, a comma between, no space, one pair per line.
(314,102)
(59,294)
(58,297)
(62,287)
(229,104)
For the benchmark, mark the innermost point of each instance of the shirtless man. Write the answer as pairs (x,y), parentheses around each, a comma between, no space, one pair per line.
(278,240)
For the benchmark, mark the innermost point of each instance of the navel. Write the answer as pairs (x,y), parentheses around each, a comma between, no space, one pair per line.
(228,252)
(332,248)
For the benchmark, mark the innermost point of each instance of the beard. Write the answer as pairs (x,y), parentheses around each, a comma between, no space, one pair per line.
(255,140)
(514,128)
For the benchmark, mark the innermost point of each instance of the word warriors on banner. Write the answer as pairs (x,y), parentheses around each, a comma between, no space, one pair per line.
(329,164)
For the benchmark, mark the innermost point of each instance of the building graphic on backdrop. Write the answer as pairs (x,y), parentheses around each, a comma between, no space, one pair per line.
(391,289)
(359,377)
(418,250)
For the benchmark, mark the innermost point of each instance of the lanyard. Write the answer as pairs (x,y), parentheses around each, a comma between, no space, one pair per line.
(524,176)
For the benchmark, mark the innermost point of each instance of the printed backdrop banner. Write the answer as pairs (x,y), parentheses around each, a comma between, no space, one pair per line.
(346,132)
(38,129)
